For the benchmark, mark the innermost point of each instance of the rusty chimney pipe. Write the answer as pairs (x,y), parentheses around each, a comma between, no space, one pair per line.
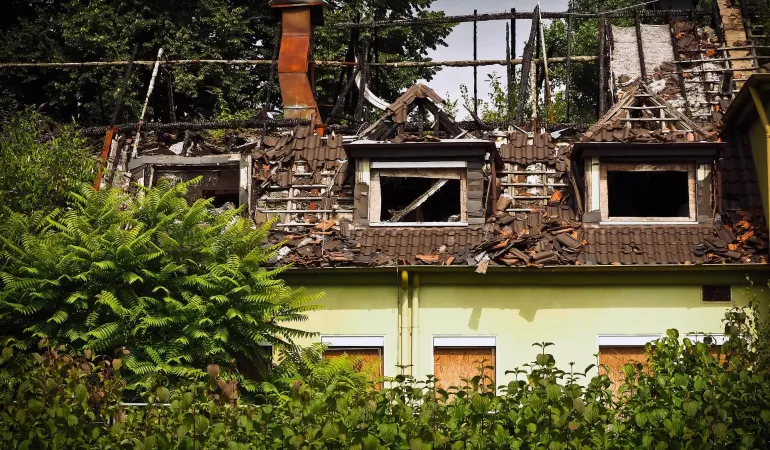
(298,18)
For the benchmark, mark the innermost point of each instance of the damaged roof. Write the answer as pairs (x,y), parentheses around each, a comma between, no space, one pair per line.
(306,183)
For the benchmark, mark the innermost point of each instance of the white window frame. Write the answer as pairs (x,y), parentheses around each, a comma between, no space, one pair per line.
(347,341)
(465,341)
(604,167)
(453,170)
(719,338)
(625,340)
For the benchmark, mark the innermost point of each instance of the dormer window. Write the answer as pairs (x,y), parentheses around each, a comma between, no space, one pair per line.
(418,184)
(647,192)
(418,193)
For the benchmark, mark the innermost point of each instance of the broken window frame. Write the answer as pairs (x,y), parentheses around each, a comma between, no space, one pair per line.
(447,170)
(689,167)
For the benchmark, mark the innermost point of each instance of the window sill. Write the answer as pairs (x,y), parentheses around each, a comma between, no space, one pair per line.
(649,222)
(418,224)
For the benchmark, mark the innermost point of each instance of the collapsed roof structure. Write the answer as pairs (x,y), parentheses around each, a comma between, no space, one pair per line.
(655,181)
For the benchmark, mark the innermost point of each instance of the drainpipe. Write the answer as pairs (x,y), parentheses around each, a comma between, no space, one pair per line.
(763,117)
(403,357)
(414,356)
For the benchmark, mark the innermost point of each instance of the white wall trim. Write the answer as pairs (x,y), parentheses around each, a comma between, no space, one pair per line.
(418,164)
(353,341)
(465,341)
(595,184)
(626,340)
(418,224)
(719,339)
(684,221)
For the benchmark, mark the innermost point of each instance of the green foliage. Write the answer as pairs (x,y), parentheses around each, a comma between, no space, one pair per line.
(40,163)
(107,30)
(178,286)
(307,365)
(690,398)
(495,108)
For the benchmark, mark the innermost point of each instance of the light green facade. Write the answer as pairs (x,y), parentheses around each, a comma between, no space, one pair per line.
(570,307)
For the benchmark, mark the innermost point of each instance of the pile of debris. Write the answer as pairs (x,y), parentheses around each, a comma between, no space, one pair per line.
(741,237)
(322,246)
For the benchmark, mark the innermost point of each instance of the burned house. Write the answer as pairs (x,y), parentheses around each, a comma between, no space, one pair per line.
(438,245)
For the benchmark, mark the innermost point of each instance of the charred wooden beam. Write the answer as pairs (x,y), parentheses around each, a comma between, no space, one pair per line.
(640,46)
(267,62)
(475,68)
(484,17)
(398,216)
(602,50)
(569,65)
(509,74)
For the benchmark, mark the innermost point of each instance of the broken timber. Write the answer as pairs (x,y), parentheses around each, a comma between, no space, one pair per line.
(397,217)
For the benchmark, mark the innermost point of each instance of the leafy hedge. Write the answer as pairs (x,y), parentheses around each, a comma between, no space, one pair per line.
(688,398)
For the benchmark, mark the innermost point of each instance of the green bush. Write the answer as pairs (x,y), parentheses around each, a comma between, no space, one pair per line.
(181,286)
(689,398)
(40,162)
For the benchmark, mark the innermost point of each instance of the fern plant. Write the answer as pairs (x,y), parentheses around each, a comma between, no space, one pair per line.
(177,286)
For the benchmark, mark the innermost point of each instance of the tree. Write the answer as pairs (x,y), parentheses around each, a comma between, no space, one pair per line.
(104,30)
(40,163)
(178,286)
(584,76)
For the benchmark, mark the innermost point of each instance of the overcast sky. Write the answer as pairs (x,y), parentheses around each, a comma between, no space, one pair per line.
(491,42)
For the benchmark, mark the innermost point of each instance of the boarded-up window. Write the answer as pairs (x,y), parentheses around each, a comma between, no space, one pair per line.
(452,365)
(369,359)
(615,357)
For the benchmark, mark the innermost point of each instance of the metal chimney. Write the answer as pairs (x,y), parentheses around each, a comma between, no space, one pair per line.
(295,69)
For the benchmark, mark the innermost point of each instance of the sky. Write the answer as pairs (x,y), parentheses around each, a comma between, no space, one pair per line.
(491,42)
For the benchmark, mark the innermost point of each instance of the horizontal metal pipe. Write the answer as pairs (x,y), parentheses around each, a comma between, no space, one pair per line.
(268,62)
(350,128)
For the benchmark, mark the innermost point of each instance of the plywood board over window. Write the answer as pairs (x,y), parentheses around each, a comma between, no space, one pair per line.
(615,358)
(367,350)
(370,359)
(452,365)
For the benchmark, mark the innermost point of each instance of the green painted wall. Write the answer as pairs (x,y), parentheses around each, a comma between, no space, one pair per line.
(758,140)
(569,309)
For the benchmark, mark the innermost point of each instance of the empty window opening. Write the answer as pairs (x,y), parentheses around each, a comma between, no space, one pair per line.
(648,194)
(413,199)
(222,197)
(717,293)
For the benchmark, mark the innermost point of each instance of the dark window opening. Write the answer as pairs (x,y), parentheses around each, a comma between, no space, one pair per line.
(717,293)
(397,193)
(648,194)
(222,197)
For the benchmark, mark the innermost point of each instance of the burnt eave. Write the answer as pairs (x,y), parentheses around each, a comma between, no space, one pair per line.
(647,150)
(413,151)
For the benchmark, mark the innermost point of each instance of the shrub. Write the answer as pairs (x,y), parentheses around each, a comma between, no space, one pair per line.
(690,398)
(181,286)
(40,163)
